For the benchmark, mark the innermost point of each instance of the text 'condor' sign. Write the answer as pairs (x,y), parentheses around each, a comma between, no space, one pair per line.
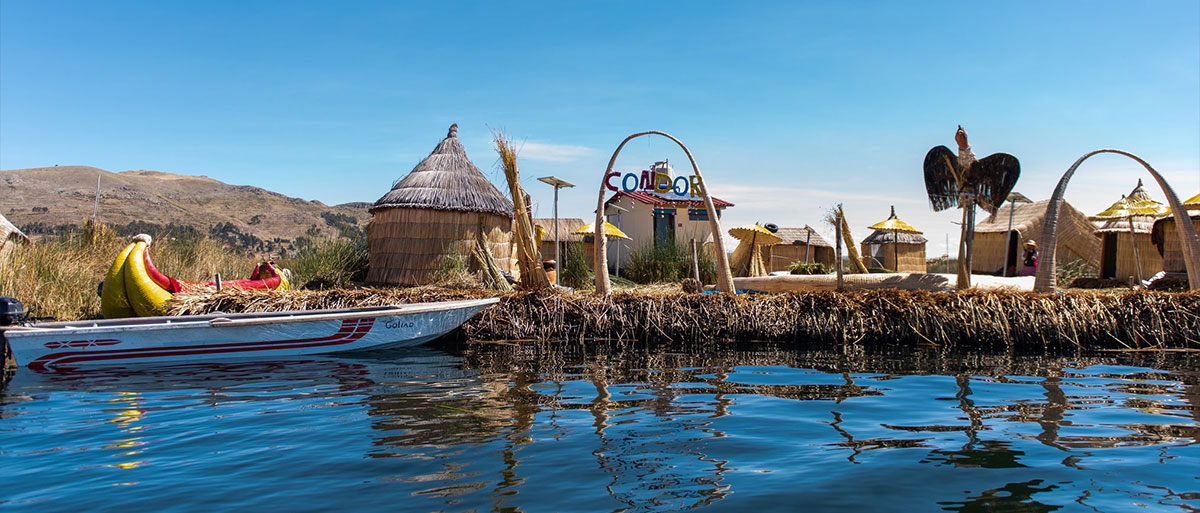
(656,182)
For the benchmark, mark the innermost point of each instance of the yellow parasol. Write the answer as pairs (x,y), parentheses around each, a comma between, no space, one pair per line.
(896,226)
(610,231)
(747,258)
(755,234)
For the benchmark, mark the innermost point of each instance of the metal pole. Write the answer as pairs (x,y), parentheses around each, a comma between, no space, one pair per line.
(96,205)
(618,243)
(1008,237)
(557,241)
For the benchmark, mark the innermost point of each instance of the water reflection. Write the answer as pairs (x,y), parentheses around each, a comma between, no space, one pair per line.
(553,427)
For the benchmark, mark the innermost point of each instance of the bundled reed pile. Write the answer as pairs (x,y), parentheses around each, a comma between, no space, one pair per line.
(970,320)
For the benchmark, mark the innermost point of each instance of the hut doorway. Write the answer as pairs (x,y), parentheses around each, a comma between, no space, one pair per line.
(1108,256)
(1010,262)
(664,226)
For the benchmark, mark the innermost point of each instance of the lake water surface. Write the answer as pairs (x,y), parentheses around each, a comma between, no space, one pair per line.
(495,427)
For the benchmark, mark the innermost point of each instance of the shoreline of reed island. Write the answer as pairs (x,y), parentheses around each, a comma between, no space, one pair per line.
(986,321)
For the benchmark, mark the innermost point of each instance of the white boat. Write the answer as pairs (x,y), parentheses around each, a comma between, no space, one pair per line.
(42,346)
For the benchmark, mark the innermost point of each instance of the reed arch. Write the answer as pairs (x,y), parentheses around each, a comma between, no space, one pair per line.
(724,275)
(1188,238)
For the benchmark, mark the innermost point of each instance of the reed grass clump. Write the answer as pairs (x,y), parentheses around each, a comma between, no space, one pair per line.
(333,262)
(57,276)
(667,262)
(811,268)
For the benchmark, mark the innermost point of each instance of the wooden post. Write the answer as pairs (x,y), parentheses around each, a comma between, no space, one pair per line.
(807,245)
(1137,258)
(695,262)
(838,236)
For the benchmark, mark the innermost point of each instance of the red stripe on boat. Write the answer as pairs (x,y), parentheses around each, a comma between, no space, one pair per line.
(351,330)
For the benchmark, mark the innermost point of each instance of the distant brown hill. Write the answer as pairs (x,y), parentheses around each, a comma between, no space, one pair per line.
(63,195)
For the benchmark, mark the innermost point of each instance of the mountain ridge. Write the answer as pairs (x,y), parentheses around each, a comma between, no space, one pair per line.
(46,197)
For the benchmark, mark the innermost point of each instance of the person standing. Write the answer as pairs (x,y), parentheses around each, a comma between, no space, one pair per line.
(1029,259)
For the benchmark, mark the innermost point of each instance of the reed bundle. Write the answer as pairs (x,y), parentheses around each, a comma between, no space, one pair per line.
(882,318)
(533,276)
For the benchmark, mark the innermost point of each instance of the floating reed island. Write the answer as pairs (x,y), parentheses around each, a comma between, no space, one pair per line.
(993,320)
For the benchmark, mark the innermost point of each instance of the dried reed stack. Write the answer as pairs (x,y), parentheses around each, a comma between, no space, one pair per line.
(970,320)
(856,264)
(529,258)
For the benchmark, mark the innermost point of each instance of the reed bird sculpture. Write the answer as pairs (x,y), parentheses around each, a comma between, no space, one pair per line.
(962,181)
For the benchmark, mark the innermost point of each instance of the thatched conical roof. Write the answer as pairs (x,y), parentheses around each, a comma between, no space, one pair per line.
(447,180)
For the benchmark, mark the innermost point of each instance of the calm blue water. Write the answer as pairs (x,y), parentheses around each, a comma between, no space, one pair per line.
(518,428)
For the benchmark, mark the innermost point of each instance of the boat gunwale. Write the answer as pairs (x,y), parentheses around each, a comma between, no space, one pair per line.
(222,320)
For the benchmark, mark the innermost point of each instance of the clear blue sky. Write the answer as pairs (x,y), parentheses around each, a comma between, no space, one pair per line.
(788,107)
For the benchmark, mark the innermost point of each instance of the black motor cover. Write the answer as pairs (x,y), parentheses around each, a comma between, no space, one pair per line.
(12,312)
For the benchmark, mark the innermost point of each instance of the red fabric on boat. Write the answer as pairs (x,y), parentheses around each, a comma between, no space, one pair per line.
(170,284)
(256,280)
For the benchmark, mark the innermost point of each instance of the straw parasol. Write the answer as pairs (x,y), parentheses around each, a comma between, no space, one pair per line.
(747,258)
(896,226)
(445,204)
(610,231)
(1137,204)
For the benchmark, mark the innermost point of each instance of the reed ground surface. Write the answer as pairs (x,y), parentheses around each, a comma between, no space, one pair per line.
(58,278)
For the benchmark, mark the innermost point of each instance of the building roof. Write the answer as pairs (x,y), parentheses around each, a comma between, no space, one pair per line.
(669,199)
(888,237)
(1024,216)
(447,180)
(800,236)
(566,228)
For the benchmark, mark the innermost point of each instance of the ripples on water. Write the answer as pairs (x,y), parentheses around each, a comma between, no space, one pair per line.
(531,428)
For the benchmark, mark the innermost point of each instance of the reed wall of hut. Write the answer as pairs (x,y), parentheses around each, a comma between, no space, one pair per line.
(794,247)
(1165,238)
(911,255)
(1076,237)
(443,205)
(1117,258)
(566,230)
(409,246)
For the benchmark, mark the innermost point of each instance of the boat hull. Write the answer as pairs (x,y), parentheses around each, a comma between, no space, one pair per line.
(259,336)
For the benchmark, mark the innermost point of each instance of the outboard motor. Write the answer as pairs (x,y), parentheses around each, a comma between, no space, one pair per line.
(12,312)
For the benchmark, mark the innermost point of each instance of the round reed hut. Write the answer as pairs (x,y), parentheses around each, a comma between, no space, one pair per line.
(1126,251)
(441,207)
(1165,237)
(895,245)
(1077,240)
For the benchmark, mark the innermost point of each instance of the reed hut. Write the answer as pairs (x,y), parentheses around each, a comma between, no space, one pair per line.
(1077,239)
(895,245)
(803,245)
(567,226)
(1126,251)
(443,206)
(1165,237)
(10,236)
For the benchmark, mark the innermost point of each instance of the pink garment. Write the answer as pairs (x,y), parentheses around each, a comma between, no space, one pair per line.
(1028,270)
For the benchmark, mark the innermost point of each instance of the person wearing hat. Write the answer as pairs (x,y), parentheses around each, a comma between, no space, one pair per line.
(1029,259)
